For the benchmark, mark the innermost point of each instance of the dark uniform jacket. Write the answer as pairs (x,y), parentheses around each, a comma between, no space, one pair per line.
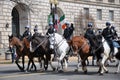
(89,33)
(68,32)
(50,31)
(107,33)
(27,34)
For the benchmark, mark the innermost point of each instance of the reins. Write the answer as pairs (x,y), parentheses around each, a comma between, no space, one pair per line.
(82,46)
(99,46)
(39,44)
(60,43)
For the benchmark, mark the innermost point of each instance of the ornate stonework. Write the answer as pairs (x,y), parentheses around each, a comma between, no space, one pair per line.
(35,12)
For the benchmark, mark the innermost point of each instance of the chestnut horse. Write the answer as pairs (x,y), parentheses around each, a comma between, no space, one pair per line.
(22,50)
(80,45)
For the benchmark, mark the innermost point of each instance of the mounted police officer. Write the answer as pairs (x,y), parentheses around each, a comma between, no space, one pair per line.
(89,34)
(36,33)
(27,33)
(50,34)
(108,35)
(68,31)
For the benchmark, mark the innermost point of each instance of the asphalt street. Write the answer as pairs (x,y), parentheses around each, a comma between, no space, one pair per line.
(11,72)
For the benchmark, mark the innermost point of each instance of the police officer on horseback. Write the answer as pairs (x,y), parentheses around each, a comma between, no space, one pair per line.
(68,31)
(108,35)
(89,34)
(50,34)
(27,33)
(51,29)
(36,33)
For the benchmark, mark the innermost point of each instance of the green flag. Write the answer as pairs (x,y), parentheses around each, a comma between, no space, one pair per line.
(62,18)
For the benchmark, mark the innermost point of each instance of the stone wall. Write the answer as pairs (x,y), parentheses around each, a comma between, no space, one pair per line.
(38,11)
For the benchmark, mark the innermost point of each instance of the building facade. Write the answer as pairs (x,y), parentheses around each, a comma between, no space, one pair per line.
(16,14)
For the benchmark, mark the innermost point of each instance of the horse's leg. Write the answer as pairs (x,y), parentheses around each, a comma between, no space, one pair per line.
(28,65)
(65,63)
(17,63)
(78,65)
(93,58)
(84,67)
(103,66)
(51,59)
(34,65)
(23,61)
(40,61)
(118,67)
(87,61)
(45,61)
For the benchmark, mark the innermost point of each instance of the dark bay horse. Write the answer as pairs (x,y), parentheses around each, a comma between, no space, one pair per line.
(80,45)
(40,45)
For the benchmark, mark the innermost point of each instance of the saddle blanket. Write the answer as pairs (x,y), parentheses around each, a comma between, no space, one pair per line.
(115,44)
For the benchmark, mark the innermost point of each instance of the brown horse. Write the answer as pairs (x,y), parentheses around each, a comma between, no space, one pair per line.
(80,45)
(22,50)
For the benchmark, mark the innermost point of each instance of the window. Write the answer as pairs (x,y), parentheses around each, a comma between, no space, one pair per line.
(99,14)
(86,12)
(111,1)
(99,0)
(111,15)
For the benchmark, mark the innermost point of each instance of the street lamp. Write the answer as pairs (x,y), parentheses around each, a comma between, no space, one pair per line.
(53,8)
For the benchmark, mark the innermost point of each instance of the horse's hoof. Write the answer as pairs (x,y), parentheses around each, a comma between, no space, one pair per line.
(26,71)
(85,72)
(116,65)
(98,72)
(22,70)
(46,68)
(54,69)
(106,71)
(101,74)
(41,70)
(60,71)
(76,70)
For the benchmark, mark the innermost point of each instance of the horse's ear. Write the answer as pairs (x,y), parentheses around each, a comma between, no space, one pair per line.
(10,36)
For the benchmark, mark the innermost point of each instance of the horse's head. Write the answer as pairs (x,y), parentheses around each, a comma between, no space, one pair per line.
(14,41)
(11,41)
(76,42)
(79,43)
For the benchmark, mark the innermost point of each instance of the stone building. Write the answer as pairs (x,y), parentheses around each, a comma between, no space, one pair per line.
(16,14)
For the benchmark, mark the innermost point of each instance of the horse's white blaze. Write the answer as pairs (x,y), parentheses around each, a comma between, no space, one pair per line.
(31,49)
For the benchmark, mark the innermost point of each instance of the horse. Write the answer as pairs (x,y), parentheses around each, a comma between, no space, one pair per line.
(21,50)
(61,48)
(40,45)
(106,50)
(32,55)
(81,47)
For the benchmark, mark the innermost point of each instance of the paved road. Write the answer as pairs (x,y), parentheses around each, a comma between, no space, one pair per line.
(11,72)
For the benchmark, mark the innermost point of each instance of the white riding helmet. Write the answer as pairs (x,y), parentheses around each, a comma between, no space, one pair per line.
(51,23)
